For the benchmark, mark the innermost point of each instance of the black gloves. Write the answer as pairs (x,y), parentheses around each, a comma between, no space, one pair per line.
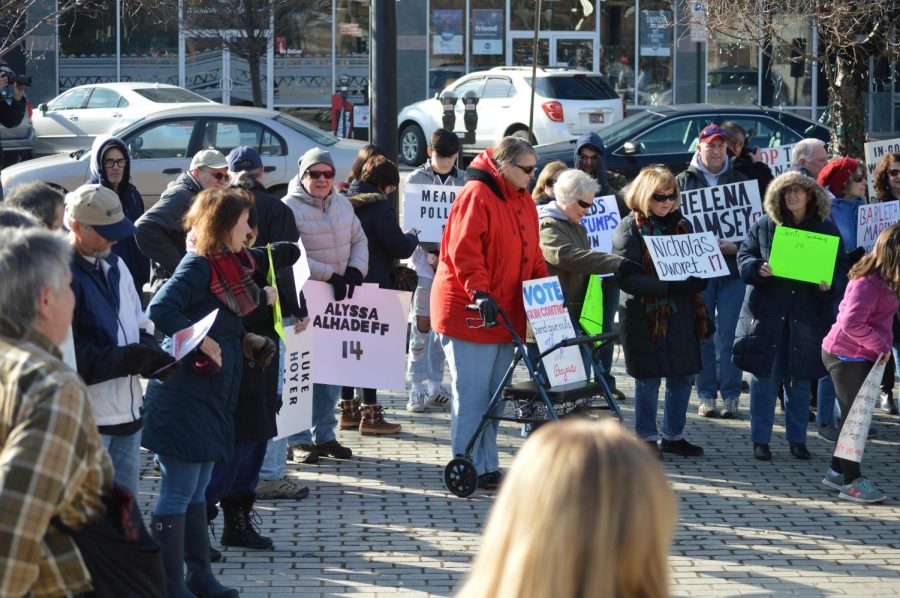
(354,278)
(627,266)
(487,308)
(340,286)
(343,285)
(258,348)
(144,360)
(684,288)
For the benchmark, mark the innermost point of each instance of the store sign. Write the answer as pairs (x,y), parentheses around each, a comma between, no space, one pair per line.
(656,32)
(350,29)
(487,31)
(447,31)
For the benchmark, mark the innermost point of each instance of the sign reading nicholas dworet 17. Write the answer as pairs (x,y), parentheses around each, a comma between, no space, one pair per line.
(426,207)
(726,211)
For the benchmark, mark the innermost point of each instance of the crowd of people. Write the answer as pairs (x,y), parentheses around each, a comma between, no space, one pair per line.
(101,288)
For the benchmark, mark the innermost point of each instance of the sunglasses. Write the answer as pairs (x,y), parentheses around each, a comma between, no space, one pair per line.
(317,174)
(525,169)
(856,178)
(585,205)
(216,174)
(663,197)
(120,163)
(893,172)
(712,130)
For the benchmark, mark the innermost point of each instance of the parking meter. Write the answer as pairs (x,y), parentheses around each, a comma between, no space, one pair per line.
(448,101)
(470,116)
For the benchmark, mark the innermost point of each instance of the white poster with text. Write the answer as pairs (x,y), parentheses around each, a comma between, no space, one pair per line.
(678,257)
(426,207)
(296,393)
(726,211)
(777,158)
(875,151)
(601,222)
(551,323)
(874,218)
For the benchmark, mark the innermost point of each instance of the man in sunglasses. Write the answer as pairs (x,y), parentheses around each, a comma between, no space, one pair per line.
(160,235)
(709,167)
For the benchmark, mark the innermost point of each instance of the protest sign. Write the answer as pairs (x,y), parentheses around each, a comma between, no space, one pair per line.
(601,222)
(777,158)
(591,320)
(875,151)
(186,340)
(803,255)
(296,391)
(852,442)
(360,341)
(276,307)
(874,218)
(301,268)
(551,323)
(678,257)
(726,211)
(426,207)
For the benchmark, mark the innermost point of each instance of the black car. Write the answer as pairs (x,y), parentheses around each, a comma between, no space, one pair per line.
(668,135)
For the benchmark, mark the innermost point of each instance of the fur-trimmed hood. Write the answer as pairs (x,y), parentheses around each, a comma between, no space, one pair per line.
(360,193)
(772,204)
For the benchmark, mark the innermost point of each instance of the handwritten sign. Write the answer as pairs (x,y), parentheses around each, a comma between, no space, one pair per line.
(296,391)
(852,442)
(875,151)
(551,323)
(601,222)
(678,257)
(777,158)
(874,218)
(426,207)
(803,255)
(360,341)
(726,211)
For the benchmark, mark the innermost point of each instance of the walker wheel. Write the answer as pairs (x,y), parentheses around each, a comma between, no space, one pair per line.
(461,477)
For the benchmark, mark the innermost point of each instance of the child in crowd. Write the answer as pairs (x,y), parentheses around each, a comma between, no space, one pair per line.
(426,356)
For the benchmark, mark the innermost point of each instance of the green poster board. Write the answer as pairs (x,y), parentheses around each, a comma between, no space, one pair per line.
(803,255)
(591,320)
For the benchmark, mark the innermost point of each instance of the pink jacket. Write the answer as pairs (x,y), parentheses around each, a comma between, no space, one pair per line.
(863,326)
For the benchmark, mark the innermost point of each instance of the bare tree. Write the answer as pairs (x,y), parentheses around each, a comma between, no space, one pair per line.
(849,33)
(19,19)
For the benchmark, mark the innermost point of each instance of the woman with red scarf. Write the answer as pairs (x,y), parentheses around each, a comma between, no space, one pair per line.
(188,421)
(490,245)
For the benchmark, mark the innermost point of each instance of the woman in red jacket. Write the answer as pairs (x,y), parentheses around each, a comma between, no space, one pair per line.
(490,245)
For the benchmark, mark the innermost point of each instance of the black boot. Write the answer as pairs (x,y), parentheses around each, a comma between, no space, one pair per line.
(238,529)
(887,402)
(200,579)
(211,513)
(168,532)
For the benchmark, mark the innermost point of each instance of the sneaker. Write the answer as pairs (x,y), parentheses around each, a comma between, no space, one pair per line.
(707,408)
(304,453)
(861,490)
(285,488)
(730,408)
(334,449)
(439,398)
(829,432)
(833,479)
(416,402)
(680,447)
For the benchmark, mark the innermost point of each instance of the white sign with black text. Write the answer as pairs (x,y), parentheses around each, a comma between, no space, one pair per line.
(426,207)
(875,151)
(678,257)
(777,158)
(601,222)
(726,211)
(296,393)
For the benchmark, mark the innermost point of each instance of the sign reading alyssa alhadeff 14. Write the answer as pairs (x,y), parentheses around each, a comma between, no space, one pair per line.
(874,218)
(551,323)
(296,392)
(426,207)
(360,341)
(601,222)
(726,211)
(875,151)
(678,257)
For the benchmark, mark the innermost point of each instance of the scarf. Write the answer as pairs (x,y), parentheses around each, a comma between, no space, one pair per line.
(659,309)
(232,281)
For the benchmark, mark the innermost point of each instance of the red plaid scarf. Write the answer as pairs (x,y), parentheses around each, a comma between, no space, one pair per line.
(232,281)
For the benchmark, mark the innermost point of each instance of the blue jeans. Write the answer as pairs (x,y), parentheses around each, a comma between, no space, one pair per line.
(646,400)
(426,355)
(764,393)
(275,460)
(183,483)
(325,397)
(723,298)
(238,476)
(825,399)
(476,371)
(125,453)
(610,307)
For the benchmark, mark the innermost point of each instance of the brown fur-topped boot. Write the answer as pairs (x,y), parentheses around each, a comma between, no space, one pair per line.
(351,416)
(373,421)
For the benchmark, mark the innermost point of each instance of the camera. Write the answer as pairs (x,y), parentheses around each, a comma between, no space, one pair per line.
(14,79)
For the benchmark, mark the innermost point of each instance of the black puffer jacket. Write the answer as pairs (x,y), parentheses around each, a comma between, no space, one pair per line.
(678,352)
(773,305)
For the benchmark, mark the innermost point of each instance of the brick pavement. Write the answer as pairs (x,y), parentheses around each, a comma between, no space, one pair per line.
(382,524)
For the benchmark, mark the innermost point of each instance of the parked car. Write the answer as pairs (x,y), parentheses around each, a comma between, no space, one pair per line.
(567,104)
(162,144)
(735,85)
(72,119)
(18,141)
(668,135)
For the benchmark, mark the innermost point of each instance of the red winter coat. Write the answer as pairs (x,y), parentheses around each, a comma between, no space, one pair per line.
(491,243)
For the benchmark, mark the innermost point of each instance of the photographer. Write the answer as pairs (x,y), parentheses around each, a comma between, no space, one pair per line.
(746,160)
(12,110)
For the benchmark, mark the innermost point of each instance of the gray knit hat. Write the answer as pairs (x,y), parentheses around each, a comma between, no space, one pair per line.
(315,156)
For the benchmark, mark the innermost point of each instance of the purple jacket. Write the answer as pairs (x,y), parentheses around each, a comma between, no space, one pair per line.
(863,326)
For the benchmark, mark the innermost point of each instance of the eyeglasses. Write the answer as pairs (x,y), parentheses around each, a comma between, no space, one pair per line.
(120,163)
(587,158)
(663,197)
(317,174)
(551,182)
(525,169)
(585,205)
(216,174)
(893,172)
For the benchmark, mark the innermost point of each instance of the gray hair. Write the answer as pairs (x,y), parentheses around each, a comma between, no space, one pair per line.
(804,148)
(16,218)
(38,199)
(510,149)
(34,258)
(572,185)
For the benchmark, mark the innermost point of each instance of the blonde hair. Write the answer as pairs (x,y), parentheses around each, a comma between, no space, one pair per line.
(548,172)
(639,193)
(584,511)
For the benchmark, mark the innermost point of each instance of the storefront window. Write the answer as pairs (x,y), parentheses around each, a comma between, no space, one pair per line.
(303,58)
(791,76)
(446,44)
(352,47)
(653,80)
(561,15)
(733,74)
(617,26)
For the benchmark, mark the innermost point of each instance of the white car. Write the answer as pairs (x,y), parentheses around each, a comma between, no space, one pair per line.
(567,103)
(72,119)
(162,145)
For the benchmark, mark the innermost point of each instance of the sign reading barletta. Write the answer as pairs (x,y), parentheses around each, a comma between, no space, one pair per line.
(874,218)
(426,207)
(726,211)
(678,257)
(360,341)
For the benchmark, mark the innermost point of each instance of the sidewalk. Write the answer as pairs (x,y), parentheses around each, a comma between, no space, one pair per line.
(383,524)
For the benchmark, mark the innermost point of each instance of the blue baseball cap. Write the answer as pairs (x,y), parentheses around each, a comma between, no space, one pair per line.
(244,157)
